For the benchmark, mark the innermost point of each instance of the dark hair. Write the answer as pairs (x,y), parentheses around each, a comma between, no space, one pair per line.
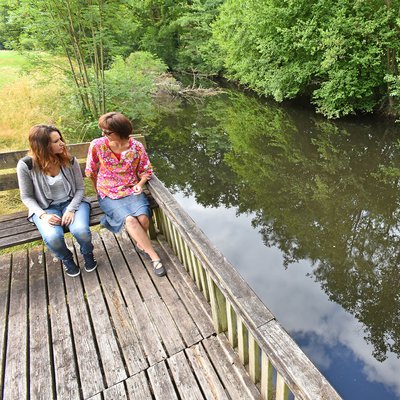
(117,123)
(40,144)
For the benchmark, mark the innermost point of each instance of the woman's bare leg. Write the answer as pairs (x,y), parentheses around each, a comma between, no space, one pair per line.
(144,221)
(136,229)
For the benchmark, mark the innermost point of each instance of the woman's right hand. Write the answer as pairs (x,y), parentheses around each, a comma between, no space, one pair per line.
(137,189)
(51,219)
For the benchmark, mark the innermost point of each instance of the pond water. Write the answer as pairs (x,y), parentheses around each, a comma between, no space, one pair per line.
(308,212)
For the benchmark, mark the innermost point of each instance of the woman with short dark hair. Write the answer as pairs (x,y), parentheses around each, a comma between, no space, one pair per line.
(51,186)
(119,168)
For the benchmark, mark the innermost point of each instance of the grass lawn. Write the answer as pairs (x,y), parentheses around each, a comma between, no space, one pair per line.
(11,64)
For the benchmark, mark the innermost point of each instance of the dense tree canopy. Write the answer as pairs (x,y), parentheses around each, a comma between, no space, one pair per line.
(336,52)
(340,55)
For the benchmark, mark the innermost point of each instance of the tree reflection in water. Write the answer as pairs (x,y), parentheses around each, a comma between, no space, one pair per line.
(320,191)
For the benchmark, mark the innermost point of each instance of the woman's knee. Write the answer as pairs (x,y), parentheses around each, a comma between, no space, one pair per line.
(55,240)
(144,221)
(81,231)
(143,218)
(131,222)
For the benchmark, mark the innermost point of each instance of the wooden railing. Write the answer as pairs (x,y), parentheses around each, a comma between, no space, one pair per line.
(273,359)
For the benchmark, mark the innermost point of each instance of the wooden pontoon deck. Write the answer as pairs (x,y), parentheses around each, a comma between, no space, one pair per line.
(122,333)
(117,333)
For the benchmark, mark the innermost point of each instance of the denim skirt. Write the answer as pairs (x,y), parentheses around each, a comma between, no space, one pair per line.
(116,210)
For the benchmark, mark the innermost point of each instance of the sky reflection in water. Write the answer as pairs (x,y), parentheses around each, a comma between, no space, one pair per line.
(332,338)
(309,213)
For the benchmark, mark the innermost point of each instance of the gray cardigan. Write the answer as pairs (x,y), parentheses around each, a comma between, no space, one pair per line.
(35,191)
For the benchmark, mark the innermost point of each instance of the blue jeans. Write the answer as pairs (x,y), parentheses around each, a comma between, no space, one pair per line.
(53,235)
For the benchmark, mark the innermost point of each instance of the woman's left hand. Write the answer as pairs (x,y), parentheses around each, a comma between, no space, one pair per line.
(68,218)
(137,189)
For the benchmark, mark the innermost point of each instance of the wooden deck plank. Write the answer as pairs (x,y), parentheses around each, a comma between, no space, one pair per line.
(189,293)
(182,318)
(138,387)
(107,344)
(147,332)
(183,376)
(114,306)
(11,224)
(13,217)
(228,366)
(90,369)
(16,376)
(205,373)
(16,229)
(96,397)
(65,368)
(5,270)
(159,312)
(116,392)
(40,363)
(163,389)
(124,327)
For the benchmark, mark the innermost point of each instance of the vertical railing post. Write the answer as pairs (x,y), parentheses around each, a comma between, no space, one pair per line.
(282,391)
(232,325)
(218,306)
(266,377)
(152,230)
(254,360)
(243,342)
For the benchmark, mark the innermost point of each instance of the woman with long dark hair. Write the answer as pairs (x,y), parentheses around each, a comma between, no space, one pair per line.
(51,186)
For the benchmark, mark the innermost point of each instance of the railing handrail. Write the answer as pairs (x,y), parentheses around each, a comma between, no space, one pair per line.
(298,372)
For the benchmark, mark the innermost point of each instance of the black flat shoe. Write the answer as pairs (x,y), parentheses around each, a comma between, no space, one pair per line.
(158,268)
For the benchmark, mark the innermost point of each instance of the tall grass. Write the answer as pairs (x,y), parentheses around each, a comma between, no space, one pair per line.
(33,90)
(24,103)
(27,97)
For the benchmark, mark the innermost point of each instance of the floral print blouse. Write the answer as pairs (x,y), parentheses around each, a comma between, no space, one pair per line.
(116,177)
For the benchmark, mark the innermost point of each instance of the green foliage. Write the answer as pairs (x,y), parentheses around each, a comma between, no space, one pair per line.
(179,33)
(131,83)
(196,51)
(88,33)
(10,28)
(342,56)
(258,43)
(336,53)
(158,32)
(353,48)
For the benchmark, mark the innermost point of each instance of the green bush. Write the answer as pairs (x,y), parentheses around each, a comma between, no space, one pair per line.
(131,83)
(336,53)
